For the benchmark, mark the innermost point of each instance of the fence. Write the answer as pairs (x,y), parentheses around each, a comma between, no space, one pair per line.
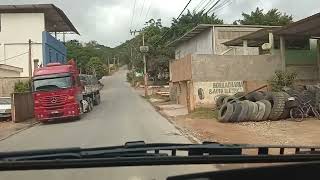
(22,106)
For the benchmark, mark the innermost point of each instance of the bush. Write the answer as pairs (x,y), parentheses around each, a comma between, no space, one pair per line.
(20,87)
(282,79)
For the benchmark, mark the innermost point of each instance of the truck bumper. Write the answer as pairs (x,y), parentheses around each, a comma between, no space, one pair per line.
(44,115)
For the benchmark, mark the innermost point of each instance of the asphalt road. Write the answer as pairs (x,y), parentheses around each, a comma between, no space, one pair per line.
(122,116)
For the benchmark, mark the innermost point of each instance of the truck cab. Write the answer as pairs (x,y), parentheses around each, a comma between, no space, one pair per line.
(57,92)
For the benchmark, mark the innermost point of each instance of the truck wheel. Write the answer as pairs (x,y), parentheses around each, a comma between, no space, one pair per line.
(96,99)
(91,104)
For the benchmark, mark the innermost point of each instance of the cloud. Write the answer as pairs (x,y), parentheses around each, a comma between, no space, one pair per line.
(108,21)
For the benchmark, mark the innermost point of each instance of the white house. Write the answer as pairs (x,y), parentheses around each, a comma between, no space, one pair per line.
(209,39)
(19,23)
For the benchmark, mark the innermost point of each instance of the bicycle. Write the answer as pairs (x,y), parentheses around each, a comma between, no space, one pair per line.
(300,109)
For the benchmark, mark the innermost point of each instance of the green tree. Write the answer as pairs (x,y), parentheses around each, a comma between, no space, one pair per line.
(272,18)
(95,66)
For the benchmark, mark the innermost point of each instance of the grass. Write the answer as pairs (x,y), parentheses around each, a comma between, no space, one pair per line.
(204,113)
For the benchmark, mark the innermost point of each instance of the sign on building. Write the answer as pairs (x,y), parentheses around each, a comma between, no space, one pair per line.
(208,92)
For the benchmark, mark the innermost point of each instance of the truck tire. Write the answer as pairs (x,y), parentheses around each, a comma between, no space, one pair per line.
(225,112)
(244,112)
(267,109)
(96,99)
(253,111)
(286,110)
(277,101)
(237,108)
(219,101)
(261,111)
(229,99)
(255,96)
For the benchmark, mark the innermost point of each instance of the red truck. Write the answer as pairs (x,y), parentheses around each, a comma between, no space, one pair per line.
(60,92)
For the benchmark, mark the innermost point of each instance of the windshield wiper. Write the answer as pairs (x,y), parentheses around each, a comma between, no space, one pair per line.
(141,154)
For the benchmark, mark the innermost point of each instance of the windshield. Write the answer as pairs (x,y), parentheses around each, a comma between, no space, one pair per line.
(107,72)
(5,100)
(47,84)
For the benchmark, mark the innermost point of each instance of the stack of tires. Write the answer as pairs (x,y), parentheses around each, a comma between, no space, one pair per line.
(256,106)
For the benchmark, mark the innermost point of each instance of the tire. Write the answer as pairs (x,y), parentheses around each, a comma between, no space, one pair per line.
(252,110)
(229,99)
(267,109)
(237,108)
(286,110)
(277,101)
(219,101)
(225,112)
(261,111)
(244,112)
(240,94)
(255,96)
(96,100)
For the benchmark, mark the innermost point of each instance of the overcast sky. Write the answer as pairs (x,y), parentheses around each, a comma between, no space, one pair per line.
(109,21)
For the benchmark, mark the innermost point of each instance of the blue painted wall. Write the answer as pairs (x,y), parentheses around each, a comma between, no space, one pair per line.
(53,49)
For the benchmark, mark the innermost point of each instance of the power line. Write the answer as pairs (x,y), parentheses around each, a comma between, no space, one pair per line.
(184,8)
(221,6)
(147,12)
(141,12)
(133,10)
(199,5)
(14,56)
(205,6)
(213,6)
(164,35)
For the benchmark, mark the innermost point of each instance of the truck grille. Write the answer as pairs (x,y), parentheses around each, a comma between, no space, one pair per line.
(53,102)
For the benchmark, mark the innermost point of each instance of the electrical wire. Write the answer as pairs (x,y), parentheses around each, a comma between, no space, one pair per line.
(213,6)
(199,5)
(14,56)
(147,12)
(164,35)
(133,10)
(221,6)
(141,12)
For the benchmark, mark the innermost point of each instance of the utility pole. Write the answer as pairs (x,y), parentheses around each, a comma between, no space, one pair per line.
(108,66)
(144,49)
(145,70)
(30,60)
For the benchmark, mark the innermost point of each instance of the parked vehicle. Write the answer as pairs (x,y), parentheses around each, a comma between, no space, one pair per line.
(5,107)
(59,93)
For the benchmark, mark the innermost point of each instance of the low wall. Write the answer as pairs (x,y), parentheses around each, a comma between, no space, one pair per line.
(7,84)
(22,106)
(234,68)
(180,70)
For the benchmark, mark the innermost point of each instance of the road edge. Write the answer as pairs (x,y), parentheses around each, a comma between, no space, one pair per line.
(19,131)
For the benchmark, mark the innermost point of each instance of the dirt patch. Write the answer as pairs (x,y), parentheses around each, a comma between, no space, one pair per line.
(268,132)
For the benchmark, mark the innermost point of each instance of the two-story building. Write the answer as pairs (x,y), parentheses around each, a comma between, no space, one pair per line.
(39,23)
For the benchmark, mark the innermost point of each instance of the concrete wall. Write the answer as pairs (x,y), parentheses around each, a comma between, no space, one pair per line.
(200,44)
(53,49)
(7,84)
(16,30)
(180,70)
(9,73)
(22,107)
(304,72)
(233,68)
(223,34)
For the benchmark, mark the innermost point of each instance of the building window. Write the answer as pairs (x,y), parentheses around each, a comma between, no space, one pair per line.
(57,57)
(50,56)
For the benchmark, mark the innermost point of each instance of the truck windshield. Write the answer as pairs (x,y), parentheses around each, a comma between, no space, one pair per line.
(51,83)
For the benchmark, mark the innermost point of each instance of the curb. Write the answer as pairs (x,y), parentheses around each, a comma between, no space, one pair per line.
(20,130)
(189,136)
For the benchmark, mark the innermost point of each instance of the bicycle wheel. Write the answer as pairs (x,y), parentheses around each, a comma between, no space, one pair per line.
(296,114)
(316,113)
